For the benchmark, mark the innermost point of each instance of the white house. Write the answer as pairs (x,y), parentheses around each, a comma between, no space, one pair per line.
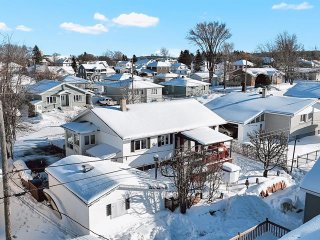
(133,134)
(202,76)
(138,89)
(95,71)
(180,68)
(246,112)
(241,64)
(94,192)
(123,66)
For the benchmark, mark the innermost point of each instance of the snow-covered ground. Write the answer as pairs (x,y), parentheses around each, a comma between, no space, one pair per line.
(239,210)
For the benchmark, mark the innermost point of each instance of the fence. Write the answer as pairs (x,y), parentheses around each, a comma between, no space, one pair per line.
(307,158)
(260,229)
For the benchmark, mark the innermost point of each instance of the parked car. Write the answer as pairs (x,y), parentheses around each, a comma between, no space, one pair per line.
(107,101)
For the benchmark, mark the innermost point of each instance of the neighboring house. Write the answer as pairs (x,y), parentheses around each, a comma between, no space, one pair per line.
(164,77)
(89,194)
(50,94)
(310,185)
(159,67)
(304,89)
(307,73)
(123,67)
(202,76)
(242,64)
(144,72)
(275,75)
(246,112)
(185,87)
(95,71)
(64,62)
(133,134)
(76,81)
(118,77)
(141,91)
(180,68)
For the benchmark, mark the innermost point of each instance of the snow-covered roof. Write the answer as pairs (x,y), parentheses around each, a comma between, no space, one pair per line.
(121,77)
(230,167)
(238,107)
(80,127)
(304,90)
(243,62)
(43,86)
(206,135)
(266,71)
(203,75)
(184,82)
(166,75)
(93,66)
(311,180)
(104,177)
(307,231)
(36,102)
(158,64)
(157,118)
(103,151)
(137,84)
(74,80)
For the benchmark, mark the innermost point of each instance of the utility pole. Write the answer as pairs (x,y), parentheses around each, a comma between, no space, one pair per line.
(245,76)
(132,88)
(6,199)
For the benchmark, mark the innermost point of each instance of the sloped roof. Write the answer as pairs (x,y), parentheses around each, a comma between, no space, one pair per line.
(137,84)
(304,90)
(156,118)
(184,82)
(243,62)
(311,180)
(43,86)
(158,64)
(266,71)
(238,107)
(74,80)
(103,178)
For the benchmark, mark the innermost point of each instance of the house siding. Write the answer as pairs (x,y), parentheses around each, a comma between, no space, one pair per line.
(275,122)
(308,128)
(312,207)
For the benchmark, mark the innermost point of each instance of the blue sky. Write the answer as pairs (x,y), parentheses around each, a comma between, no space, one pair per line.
(144,26)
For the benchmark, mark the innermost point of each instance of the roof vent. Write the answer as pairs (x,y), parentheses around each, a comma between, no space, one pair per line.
(87,168)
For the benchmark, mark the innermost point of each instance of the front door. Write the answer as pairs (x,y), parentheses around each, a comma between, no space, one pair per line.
(65,100)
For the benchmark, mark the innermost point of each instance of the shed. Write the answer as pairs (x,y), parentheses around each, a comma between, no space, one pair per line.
(231,172)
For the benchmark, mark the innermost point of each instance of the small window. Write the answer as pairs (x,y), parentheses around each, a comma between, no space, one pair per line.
(262,117)
(154,91)
(303,118)
(93,139)
(109,210)
(127,203)
(86,140)
(310,115)
(76,139)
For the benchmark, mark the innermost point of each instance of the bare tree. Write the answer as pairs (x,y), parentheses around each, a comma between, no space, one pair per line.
(213,177)
(164,52)
(285,49)
(209,37)
(227,57)
(269,148)
(13,60)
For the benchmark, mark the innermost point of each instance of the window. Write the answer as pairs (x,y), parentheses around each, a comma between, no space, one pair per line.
(51,100)
(76,139)
(127,203)
(69,139)
(93,139)
(140,144)
(310,115)
(303,118)
(109,210)
(165,140)
(77,98)
(86,140)
(154,91)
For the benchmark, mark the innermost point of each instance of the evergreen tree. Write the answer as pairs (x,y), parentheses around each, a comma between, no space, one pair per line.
(185,57)
(198,61)
(36,55)
(134,58)
(124,58)
(74,64)
(181,57)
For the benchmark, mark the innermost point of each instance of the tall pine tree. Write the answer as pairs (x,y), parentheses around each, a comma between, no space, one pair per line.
(198,61)
(36,55)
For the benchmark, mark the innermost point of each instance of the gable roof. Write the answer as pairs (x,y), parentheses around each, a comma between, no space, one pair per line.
(137,84)
(45,85)
(304,90)
(104,177)
(184,82)
(310,182)
(158,64)
(242,62)
(157,118)
(238,107)
(74,80)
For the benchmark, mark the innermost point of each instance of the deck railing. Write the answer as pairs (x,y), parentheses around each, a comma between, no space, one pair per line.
(260,229)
